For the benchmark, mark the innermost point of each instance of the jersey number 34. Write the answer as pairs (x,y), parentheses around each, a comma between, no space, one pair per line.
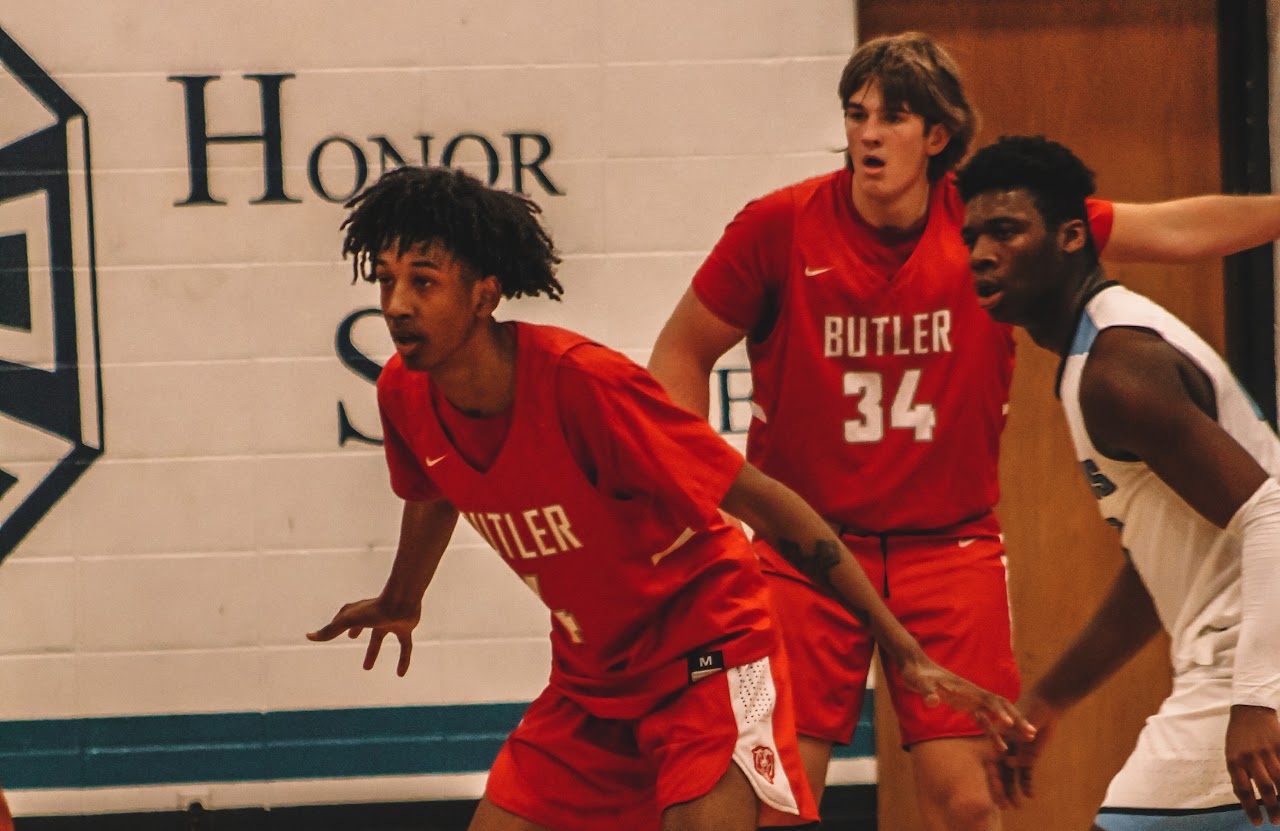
(904,412)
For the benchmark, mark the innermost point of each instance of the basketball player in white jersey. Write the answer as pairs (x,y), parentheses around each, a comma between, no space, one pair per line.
(1183,465)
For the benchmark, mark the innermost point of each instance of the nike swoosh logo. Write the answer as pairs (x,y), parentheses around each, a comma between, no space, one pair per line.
(437,460)
(814,272)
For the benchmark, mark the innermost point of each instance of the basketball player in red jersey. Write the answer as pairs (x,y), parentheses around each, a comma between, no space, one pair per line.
(669,704)
(879,396)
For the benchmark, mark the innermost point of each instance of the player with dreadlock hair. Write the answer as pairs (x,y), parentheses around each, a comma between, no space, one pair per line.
(669,703)
(494,231)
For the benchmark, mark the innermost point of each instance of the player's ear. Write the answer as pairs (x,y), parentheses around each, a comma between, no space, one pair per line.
(1072,236)
(485,295)
(936,138)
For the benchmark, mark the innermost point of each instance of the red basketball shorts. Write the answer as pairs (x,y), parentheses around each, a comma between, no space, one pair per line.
(566,769)
(951,596)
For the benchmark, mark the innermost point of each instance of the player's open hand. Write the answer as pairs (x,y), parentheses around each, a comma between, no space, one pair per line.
(997,716)
(1010,774)
(1253,760)
(382,619)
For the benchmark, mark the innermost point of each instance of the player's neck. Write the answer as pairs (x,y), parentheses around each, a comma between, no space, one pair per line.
(481,381)
(1057,333)
(903,212)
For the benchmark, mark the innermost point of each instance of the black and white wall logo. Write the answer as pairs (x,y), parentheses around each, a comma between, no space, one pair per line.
(50,390)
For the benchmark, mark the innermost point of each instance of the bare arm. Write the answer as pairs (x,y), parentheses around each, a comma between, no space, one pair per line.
(1191,229)
(425,530)
(688,346)
(1124,623)
(1142,397)
(796,531)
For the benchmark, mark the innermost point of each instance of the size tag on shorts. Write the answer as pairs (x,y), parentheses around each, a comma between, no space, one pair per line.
(705,663)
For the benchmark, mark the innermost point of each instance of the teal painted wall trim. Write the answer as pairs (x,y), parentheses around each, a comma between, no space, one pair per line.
(864,737)
(236,747)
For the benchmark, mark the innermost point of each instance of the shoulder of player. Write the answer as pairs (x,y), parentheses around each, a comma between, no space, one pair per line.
(798,192)
(1131,390)
(785,202)
(594,364)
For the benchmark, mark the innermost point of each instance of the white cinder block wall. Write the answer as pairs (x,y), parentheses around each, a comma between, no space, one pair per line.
(225,519)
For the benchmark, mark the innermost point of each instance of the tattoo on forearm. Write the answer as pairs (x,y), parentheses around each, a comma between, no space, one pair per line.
(817,565)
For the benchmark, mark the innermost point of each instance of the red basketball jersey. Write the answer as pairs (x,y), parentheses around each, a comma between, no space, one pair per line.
(639,606)
(879,400)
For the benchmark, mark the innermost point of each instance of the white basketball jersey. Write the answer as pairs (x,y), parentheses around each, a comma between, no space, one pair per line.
(1189,565)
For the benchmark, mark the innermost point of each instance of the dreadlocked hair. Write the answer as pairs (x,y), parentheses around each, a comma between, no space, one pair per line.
(492,231)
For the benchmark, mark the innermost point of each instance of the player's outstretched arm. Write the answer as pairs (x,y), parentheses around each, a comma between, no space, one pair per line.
(425,530)
(1124,623)
(1191,229)
(796,531)
(688,346)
